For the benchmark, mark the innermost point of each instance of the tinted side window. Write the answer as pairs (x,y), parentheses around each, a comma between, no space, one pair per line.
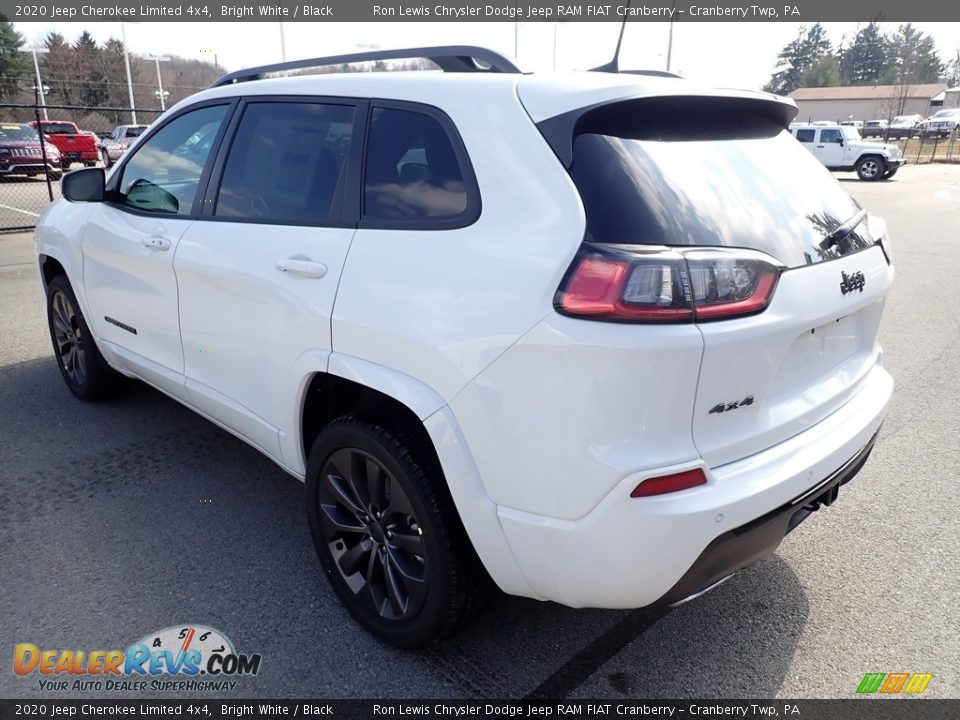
(163,174)
(413,175)
(830,136)
(286,163)
(806,136)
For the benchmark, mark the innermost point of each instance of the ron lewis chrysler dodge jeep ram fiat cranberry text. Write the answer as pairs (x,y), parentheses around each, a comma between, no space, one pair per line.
(603,337)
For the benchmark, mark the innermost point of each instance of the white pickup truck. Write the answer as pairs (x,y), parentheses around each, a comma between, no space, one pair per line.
(842,148)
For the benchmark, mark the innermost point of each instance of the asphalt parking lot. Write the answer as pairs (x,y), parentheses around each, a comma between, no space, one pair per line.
(123,518)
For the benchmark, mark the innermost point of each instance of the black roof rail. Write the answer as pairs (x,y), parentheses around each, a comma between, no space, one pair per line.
(449,58)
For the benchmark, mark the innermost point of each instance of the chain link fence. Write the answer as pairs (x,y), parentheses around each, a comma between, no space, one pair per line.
(31,163)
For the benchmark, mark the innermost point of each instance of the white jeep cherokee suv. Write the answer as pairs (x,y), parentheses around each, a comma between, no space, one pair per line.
(605,338)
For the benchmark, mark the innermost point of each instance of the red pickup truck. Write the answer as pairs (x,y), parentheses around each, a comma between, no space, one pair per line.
(74,144)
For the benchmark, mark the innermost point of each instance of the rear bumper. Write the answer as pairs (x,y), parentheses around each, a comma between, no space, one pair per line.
(747,544)
(631,552)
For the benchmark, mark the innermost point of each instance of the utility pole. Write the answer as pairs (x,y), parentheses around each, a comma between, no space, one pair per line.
(283,44)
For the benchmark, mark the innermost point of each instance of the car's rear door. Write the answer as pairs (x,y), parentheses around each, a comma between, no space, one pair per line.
(258,273)
(130,241)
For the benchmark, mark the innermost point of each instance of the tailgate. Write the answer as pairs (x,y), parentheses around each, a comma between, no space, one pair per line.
(723,177)
(794,364)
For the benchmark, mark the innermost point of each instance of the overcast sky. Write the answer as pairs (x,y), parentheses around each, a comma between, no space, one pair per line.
(730,54)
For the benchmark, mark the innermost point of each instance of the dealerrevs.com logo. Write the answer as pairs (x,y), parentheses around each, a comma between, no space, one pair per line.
(179,658)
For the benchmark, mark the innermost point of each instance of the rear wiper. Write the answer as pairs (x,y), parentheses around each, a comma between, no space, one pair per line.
(841,232)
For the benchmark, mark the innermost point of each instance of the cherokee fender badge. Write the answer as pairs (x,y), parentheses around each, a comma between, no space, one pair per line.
(726,407)
(854,281)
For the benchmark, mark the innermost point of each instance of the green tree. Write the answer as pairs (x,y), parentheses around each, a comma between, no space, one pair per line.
(14,64)
(825,72)
(798,57)
(867,59)
(89,67)
(58,69)
(913,58)
(115,78)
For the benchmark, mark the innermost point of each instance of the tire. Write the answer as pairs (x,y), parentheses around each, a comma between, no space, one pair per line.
(106,159)
(890,173)
(82,366)
(381,517)
(870,167)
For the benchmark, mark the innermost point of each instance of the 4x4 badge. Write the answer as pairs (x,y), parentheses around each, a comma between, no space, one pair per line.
(849,283)
(724,407)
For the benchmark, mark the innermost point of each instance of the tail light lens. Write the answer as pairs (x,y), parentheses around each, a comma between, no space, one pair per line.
(667,285)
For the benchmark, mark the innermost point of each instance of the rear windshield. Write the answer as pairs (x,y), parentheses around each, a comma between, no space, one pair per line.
(54,128)
(748,184)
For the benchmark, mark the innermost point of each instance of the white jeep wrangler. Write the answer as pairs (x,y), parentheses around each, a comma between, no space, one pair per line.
(841,148)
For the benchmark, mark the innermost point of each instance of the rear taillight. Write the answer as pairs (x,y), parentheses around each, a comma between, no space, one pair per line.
(667,285)
(670,483)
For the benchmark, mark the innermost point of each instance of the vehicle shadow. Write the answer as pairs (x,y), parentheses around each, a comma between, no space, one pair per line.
(135,514)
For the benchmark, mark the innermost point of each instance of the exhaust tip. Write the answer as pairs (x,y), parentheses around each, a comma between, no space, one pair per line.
(697,594)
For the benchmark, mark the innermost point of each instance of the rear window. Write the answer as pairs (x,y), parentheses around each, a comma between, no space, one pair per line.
(710,182)
(54,128)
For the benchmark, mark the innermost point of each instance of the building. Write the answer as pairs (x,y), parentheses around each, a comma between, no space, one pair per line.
(869,102)
(952,98)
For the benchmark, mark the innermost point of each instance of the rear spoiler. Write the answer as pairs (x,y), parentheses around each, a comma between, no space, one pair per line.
(667,117)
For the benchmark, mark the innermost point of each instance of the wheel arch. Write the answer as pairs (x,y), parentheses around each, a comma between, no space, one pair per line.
(408,406)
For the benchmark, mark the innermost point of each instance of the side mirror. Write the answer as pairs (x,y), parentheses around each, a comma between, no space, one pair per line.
(840,142)
(86,185)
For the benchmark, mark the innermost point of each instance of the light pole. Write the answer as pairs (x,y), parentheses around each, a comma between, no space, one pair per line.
(555,26)
(126,62)
(157,59)
(37,80)
(670,37)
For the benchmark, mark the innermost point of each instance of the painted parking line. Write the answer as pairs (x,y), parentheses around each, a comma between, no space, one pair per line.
(16,209)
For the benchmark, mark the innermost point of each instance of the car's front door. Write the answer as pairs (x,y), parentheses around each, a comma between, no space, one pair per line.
(130,242)
(829,147)
(258,273)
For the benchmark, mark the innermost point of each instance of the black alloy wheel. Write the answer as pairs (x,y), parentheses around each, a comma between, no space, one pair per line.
(387,533)
(373,534)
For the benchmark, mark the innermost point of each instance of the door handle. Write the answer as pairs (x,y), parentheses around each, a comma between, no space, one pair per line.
(155,242)
(820,146)
(304,268)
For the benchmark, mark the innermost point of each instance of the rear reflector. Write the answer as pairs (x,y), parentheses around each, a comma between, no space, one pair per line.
(670,483)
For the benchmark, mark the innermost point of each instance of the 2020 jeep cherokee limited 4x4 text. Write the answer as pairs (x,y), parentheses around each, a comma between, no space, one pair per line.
(604,338)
